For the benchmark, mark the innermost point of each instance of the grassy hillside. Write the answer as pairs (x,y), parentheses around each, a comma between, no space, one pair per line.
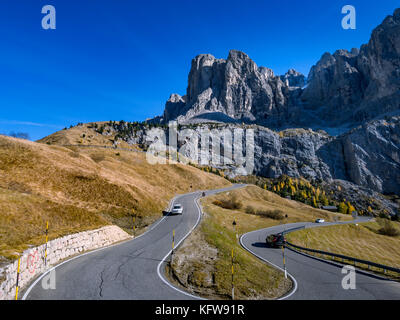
(77,189)
(203,263)
(364,241)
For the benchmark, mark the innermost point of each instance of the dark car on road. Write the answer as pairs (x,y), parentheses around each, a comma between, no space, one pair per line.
(276,240)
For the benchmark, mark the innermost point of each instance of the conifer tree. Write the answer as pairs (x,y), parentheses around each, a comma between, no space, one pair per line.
(314,202)
(342,207)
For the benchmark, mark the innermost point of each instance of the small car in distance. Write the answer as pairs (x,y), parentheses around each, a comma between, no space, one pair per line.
(177,209)
(276,240)
(319,220)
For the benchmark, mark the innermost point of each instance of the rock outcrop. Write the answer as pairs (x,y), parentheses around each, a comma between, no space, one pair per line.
(372,155)
(235,87)
(292,78)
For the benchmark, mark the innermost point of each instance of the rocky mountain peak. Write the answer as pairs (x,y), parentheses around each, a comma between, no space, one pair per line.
(360,85)
(235,87)
(174,98)
(240,60)
(239,66)
(293,78)
(203,60)
(346,87)
(267,72)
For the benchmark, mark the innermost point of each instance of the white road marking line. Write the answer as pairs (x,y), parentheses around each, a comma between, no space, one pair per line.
(169,252)
(191,230)
(274,265)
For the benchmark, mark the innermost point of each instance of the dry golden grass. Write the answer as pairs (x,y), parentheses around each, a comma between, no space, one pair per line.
(83,188)
(23,219)
(362,241)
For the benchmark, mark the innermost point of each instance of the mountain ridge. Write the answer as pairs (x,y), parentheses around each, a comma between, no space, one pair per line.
(343,88)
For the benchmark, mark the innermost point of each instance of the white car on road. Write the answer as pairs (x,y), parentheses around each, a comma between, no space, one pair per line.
(319,221)
(177,209)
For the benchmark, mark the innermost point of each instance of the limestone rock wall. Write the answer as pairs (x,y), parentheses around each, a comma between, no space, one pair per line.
(32,260)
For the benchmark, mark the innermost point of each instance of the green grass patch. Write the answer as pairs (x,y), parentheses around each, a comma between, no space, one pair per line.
(363,241)
(252,277)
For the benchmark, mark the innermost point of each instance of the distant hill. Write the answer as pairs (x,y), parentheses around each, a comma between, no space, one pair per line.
(84,134)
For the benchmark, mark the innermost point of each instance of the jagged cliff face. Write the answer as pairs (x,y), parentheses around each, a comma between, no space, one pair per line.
(232,89)
(362,84)
(368,155)
(372,155)
(342,88)
(334,82)
(379,60)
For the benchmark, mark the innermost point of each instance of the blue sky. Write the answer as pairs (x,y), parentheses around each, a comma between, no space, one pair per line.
(120,59)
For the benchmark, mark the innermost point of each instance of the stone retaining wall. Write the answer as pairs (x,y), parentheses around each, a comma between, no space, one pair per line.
(32,260)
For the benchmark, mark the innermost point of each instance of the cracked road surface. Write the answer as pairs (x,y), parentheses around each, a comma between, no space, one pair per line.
(127,270)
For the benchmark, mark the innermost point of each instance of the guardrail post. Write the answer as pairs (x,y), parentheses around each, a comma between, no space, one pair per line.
(17,285)
(173,244)
(233,287)
(47,239)
(284,263)
(234,229)
(134,226)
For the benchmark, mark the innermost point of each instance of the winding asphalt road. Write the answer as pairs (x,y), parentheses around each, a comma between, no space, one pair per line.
(135,269)
(316,279)
(130,270)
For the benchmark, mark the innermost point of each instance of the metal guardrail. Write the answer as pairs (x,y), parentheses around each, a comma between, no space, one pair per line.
(293,229)
(340,256)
